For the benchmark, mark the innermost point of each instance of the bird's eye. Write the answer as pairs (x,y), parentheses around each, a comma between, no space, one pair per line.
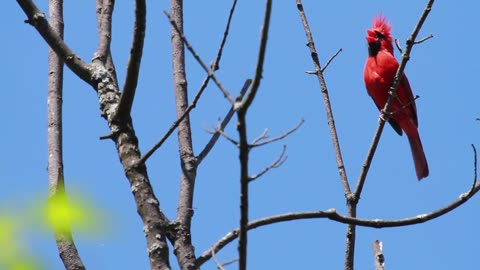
(380,35)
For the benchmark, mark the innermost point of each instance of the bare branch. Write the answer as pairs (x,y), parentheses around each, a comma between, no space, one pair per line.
(401,108)
(423,39)
(219,265)
(262,136)
(63,236)
(104,28)
(37,19)
(241,107)
(377,247)
(199,60)
(333,215)
(256,142)
(126,142)
(133,66)
(230,262)
(260,59)
(181,236)
(326,98)
(331,59)
(275,164)
(220,131)
(193,104)
(399,47)
(104,25)
(350,239)
(222,126)
(64,239)
(216,63)
(474,166)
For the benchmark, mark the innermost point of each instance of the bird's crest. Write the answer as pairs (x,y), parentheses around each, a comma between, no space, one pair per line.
(381,24)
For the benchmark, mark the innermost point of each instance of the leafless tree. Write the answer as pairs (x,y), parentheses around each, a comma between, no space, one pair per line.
(116,106)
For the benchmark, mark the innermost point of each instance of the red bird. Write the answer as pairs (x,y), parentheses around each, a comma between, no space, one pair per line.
(380,69)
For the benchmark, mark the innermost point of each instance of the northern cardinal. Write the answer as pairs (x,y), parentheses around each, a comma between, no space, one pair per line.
(380,69)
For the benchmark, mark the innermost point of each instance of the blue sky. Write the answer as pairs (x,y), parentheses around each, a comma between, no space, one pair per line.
(442,71)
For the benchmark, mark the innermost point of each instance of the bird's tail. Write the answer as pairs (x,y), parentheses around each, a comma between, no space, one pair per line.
(421,165)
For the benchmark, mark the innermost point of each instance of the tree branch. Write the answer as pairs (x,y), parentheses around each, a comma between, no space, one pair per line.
(104,25)
(245,104)
(37,19)
(123,134)
(346,219)
(241,107)
(275,164)
(257,142)
(199,60)
(377,247)
(182,236)
(475,168)
(331,59)
(56,182)
(133,66)
(350,235)
(221,127)
(193,104)
(216,63)
(148,206)
(326,98)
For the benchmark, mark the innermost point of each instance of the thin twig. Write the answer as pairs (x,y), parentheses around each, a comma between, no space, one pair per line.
(216,63)
(199,60)
(230,262)
(403,107)
(262,136)
(475,168)
(193,104)
(175,124)
(399,47)
(190,107)
(133,66)
(275,164)
(217,262)
(331,59)
(346,219)
(220,131)
(423,39)
(222,126)
(257,143)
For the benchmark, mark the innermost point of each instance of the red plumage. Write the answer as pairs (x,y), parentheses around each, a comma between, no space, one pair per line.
(380,69)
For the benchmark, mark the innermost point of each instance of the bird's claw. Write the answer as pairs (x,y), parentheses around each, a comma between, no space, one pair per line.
(384,116)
